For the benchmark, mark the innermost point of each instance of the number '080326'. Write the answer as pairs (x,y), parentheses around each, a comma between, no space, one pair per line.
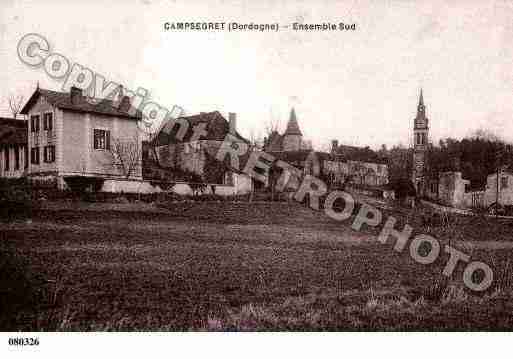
(24,341)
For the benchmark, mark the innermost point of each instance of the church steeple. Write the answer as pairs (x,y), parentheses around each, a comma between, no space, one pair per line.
(293,137)
(420,143)
(421,109)
(292,125)
(420,120)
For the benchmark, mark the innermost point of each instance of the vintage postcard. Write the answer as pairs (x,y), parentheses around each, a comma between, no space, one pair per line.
(255,166)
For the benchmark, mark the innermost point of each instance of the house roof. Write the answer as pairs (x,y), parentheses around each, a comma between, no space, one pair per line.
(217,127)
(62,100)
(290,156)
(299,156)
(13,131)
(362,154)
(274,142)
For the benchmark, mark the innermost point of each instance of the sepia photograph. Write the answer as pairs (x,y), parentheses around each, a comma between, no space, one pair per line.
(205,167)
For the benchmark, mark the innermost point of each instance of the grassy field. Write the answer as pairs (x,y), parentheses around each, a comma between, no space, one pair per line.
(238,266)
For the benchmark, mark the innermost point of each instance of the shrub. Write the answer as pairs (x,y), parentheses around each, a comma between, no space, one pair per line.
(19,296)
(15,199)
(121,200)
(403,188)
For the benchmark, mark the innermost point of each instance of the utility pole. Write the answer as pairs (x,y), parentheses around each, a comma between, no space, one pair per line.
(498,157)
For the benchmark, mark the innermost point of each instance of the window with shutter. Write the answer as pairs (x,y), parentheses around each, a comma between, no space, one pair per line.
(101,139)
(48,121)
(504,182)
(34,155)
(34,123)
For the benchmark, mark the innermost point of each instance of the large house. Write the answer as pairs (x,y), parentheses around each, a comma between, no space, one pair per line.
(178,157)
(13,148)
(73,139)
(357,165)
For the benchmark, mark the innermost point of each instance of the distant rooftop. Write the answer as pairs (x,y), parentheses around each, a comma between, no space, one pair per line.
(217,127)
(13,131)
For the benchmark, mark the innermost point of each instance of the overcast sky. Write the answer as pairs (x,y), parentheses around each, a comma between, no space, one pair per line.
(360,87)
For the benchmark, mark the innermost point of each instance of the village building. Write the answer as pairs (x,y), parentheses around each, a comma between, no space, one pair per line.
(191,162)
(358,166)
(342,166)
(503,196)
(72,140)
(69,141)
(13,148)
(292,139)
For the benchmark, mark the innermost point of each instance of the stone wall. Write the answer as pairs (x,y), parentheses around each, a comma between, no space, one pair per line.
(451,189)
(505,189)
(364,173)
(129,186)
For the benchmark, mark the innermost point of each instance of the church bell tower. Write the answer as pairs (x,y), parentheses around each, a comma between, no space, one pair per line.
(420,144)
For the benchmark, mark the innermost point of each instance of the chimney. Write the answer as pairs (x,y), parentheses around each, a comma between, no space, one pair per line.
(334,146)
(75,95)
(232,120)
(124,104)
(120,94)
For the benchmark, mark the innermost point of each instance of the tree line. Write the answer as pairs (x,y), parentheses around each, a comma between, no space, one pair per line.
(475,156)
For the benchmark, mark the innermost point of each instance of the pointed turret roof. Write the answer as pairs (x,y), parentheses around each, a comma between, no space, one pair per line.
(421,121)
(292,125)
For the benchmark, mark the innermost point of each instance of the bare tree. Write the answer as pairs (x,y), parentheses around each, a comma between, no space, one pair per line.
(487,135)
(15,103)
(147,129)
(271,126)
(270,133)
(255,139)
(126,155)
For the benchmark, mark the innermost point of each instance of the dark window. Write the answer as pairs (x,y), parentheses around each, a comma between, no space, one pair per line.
(49,154)
(16,158)
(34,123)
(48,121)
(228,178)
(101,139)
(504,182)
(34,155)
(26,157)
(6,157)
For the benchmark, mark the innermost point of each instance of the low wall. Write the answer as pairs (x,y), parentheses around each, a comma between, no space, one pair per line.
(222,190)
(474,199)
(242,185)
(129,186)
